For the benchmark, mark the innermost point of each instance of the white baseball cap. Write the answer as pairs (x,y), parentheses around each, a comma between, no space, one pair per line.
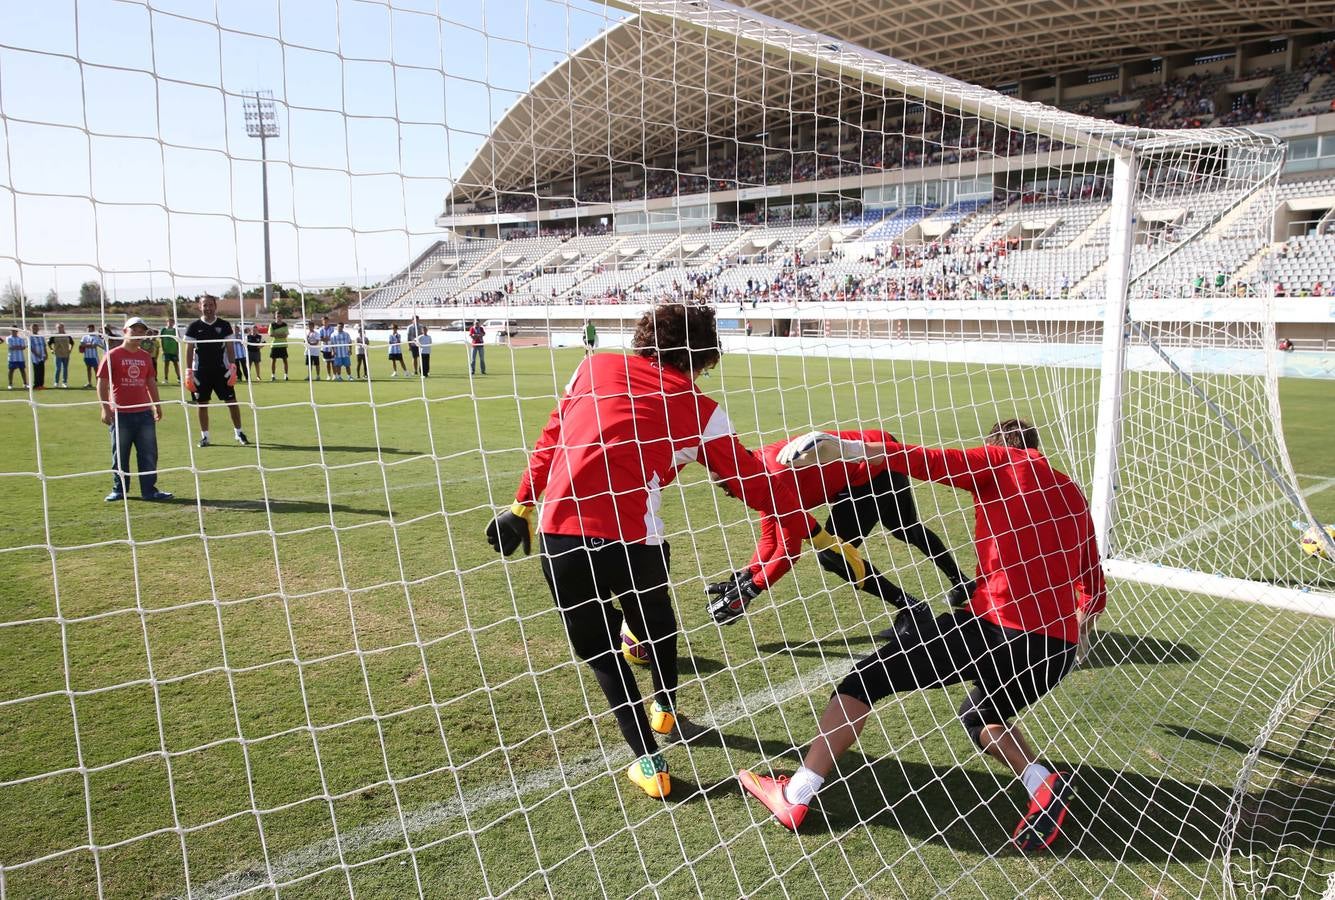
(133,321)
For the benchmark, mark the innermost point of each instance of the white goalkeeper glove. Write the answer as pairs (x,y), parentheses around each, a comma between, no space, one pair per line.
(817,448)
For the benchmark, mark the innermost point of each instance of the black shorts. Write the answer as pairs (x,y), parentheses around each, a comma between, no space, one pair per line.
(254,357)
(209,386)
(1010,669)
(887,499)
(585,574)
(414,350)
(278,353)
(328,355)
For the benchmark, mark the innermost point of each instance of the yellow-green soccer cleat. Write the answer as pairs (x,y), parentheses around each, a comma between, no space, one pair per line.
(650,774)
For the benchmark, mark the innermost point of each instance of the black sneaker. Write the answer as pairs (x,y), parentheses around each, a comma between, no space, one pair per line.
(203,442)
(241,439)
(160,496)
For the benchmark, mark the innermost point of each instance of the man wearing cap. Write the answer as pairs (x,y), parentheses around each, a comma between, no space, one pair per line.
(131,410)
(210,367)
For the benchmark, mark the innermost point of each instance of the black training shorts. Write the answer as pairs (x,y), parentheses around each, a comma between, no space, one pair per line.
(1010,669)
(585,574)
(886,500)
(278,353)
(209,386)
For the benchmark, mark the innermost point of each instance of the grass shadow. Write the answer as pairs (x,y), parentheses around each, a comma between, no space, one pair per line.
(1284,760)
(1113,648)
(341,448)
(283,507)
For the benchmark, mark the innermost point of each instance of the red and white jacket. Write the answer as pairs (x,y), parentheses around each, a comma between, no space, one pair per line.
(623,429)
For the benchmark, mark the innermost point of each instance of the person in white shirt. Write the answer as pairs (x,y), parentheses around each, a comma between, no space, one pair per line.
(424,348)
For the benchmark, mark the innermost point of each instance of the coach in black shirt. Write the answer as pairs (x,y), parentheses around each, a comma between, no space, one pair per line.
(211,367)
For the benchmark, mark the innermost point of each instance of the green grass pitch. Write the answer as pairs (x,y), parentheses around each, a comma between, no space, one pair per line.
(313,685)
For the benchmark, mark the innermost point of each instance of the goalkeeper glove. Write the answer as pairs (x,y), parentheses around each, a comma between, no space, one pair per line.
(190,381)
(512,528)
(731,597)
(838,557)
(817,448)
(231,374)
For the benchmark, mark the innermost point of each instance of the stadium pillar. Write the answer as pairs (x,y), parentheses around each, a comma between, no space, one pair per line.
(1112,369)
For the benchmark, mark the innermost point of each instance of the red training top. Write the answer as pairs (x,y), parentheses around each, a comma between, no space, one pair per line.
(129,371)
(619,435)
(1037,559)
(815,486)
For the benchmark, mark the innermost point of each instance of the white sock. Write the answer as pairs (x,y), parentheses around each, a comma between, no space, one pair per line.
(802,786)
(1033,777)
(238,431)
(204,435)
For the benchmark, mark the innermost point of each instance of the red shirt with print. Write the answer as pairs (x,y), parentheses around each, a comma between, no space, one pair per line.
(129,371)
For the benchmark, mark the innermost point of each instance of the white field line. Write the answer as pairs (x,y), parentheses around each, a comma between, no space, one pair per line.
(322,853)
(1158,551)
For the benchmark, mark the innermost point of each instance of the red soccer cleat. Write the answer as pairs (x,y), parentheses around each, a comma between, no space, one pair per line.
(1042,823)
(769,791)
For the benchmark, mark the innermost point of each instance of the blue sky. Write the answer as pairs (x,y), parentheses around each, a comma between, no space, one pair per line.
(124,141)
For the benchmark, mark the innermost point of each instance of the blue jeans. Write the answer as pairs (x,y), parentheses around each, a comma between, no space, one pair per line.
(138,430)
(62,370)
(477,357)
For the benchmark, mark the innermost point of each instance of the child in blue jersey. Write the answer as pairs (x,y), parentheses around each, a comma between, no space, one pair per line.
(18,347)
(341,343)
(89,345)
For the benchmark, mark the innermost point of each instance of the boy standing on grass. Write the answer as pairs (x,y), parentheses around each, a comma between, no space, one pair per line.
(18,356)
(131,411)
(37,353)
(89,345)
(362,371)
(312,352)
(424,348)
(396,353)
(341,342)
(1040,586)
(171,349)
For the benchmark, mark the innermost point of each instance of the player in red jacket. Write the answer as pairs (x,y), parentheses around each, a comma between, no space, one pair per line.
(625,426)
(861,494)
(1040,586)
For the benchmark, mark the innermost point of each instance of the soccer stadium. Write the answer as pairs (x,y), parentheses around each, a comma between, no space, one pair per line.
(629,448)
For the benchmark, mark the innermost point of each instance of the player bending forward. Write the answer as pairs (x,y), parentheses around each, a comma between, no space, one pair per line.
(860,493)
(1040,586)
(623,429)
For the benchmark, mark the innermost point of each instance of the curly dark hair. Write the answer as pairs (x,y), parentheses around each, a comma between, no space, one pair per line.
(683,337)
(1016,433)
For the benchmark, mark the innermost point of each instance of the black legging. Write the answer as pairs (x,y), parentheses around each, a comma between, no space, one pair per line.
(888,500)
(584,574)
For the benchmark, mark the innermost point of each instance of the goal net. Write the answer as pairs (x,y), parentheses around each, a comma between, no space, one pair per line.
(308,674)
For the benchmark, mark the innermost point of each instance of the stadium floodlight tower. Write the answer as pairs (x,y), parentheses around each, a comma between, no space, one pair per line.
(262,122)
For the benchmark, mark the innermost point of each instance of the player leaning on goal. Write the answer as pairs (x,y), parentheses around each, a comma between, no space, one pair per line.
(1040,586)
(860,493)
(624,427)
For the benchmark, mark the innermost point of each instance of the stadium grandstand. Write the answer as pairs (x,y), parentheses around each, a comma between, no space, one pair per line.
(783,200)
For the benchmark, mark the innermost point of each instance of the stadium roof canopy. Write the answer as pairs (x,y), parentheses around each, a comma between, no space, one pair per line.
(678,72)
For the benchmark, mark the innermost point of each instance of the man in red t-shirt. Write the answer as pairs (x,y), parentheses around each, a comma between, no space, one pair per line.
(1040,584)
(624,428)
(861,494)
(128,389)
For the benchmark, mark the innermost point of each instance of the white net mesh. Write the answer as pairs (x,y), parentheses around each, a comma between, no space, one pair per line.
(309,673)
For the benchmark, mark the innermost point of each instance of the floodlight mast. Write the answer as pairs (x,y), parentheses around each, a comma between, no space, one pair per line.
(262,122)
